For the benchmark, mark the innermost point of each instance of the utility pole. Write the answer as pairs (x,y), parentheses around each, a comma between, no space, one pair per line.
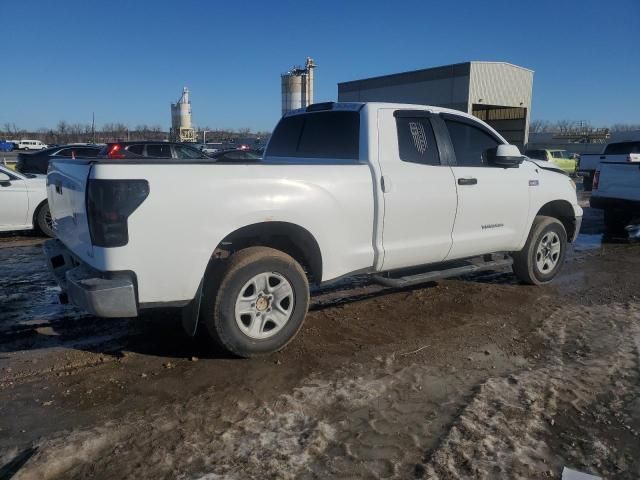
(93,127)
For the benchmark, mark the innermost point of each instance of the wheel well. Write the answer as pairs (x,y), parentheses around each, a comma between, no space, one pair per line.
(563,211)
(286,237)
(37,211)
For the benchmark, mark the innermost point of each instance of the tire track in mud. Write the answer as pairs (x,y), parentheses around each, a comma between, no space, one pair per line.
(506,429)
(375,420)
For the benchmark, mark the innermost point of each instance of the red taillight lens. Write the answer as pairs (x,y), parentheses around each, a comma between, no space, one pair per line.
(115,151)
(596,180)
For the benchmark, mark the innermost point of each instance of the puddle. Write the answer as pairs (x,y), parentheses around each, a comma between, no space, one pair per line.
(588,241)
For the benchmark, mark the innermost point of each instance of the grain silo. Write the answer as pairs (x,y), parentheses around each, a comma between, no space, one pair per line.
(297,87)
(181,129)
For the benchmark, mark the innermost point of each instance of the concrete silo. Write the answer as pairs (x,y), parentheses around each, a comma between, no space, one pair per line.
(181,128)
(297,87)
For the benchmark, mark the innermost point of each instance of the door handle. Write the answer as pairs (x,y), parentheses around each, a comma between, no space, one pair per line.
(467,181)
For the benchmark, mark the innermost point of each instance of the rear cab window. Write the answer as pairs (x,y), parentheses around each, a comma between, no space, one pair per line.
(622,148)
(319,135)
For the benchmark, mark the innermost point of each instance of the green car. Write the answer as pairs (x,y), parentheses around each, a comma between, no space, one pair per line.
(560,158)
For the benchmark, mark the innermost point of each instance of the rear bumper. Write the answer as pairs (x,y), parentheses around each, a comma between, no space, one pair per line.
(609,203)
(103,294)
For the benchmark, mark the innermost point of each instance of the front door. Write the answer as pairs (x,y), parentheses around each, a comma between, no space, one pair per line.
(493,202)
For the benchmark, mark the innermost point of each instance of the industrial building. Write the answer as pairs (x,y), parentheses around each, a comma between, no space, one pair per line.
(181,128)
(297,87)
(497,92)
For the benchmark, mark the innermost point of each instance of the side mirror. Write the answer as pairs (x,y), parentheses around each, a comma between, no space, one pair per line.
(5,180)
(505,156)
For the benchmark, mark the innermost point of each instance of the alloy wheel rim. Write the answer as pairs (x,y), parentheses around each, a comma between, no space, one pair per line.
(548,252)
(264,305)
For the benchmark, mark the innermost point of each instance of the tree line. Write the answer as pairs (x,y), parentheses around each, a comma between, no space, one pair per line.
(560,126)
(66,132)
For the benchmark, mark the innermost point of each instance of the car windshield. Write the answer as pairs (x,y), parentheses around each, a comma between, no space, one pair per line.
(560,154)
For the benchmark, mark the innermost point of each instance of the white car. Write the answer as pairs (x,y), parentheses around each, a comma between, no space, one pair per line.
(32,145)
(23,202)
(404,193)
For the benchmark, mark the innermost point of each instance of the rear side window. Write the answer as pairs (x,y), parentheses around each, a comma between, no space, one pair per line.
(186,153)
(137,149)
(331,135)
(87,152)
(416,141)
(159,151)
(470,143)
(622,148)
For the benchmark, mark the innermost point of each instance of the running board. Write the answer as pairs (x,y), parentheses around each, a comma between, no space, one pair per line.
(443,273)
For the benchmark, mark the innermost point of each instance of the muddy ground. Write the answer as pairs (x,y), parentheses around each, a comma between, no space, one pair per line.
(468,378)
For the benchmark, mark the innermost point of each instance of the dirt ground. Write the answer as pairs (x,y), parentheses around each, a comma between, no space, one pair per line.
(468,378)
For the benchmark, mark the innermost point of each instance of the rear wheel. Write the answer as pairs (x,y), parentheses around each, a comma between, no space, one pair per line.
(257,303)
(44,222)
(543,255)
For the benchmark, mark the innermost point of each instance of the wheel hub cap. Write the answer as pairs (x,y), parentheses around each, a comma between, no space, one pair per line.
(264,305)
(548,252)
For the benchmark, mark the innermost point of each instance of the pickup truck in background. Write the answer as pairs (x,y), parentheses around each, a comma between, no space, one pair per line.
(618,152)
(404,193)
(616,190)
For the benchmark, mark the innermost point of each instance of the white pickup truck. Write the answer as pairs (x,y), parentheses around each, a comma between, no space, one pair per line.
(406,193)
(616,190)
(616,152)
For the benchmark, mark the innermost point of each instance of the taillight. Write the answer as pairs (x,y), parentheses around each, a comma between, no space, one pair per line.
(596,180)
(109,205)
(115,151)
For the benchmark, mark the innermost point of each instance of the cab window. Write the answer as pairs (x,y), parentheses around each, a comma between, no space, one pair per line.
(470,143)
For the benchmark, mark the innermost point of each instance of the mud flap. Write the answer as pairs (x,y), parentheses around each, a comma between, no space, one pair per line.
(191,312)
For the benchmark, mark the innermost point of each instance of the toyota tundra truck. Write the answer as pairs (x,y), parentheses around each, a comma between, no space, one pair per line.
(403,193)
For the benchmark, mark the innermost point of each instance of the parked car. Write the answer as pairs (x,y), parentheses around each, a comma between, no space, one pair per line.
(23,202)
(38,162)
(121,150)
(31,145)
(617,152)
(6,146)
(561,158)
(210,148)
(616,190)
(237,155)
(404,193)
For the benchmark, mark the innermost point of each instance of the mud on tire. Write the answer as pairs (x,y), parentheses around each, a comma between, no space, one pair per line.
(255,303)
(543,254)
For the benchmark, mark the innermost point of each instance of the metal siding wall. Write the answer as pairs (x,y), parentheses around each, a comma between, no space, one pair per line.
(502,84)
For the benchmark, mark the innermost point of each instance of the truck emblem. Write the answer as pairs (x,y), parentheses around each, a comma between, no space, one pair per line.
(419,137)
(492,225)
(534,183)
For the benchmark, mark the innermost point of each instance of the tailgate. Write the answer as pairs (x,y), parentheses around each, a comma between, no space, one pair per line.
(66,188)
(619,180)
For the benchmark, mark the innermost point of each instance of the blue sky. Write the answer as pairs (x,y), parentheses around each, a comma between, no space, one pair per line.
(127,60)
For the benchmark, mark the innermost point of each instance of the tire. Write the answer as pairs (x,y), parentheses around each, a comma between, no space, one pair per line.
(538,264)
(43,221)
(237,313)
(615,220)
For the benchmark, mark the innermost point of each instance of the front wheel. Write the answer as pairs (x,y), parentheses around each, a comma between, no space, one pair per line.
(543,254)
(257,303)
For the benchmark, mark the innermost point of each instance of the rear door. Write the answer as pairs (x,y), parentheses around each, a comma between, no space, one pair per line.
(418,189)
(493,202)
(14,202)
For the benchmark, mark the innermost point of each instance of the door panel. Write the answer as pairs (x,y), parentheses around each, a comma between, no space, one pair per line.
(14,204)
(492,213)
(419,199)
(493,202)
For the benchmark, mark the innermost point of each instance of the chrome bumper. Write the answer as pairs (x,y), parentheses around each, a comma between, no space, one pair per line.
(101,294)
